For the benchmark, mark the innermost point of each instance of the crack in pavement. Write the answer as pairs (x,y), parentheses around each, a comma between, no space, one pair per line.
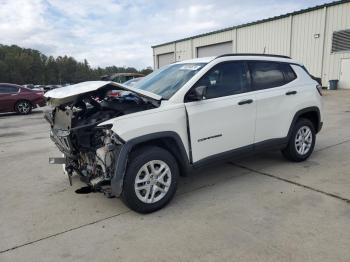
(106,218)
(327,147)
(190,191)
(63,232)
(346,200)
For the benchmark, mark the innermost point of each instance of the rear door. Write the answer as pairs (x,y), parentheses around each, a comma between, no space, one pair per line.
(276,97)
(225,120)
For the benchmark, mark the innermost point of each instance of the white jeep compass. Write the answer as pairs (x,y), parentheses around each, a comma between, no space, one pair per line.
(180,117)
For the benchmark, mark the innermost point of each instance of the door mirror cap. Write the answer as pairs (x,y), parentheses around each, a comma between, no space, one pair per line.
(198,93)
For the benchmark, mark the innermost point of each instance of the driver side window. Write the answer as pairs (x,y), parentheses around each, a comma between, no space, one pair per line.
(225,79)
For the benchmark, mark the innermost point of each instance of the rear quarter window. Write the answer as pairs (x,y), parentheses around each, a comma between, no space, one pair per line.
(267,74)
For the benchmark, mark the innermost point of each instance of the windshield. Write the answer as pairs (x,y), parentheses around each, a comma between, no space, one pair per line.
(168,80)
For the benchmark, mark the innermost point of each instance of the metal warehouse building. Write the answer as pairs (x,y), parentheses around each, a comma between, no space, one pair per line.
(319,37)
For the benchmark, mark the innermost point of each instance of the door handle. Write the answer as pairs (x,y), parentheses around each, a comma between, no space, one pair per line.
(291,93)
(247,101)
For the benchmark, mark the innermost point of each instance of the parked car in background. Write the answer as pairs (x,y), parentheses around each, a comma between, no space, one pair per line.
(34,87)
(49,87)
(132,82)
(16,98)
(30,86)
(121,77)
(38,87)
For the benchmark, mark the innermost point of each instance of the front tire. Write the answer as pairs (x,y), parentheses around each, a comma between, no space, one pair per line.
(23,107)
(301,142)
(150,180)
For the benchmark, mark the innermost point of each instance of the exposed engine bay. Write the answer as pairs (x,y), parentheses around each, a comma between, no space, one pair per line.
(91,150)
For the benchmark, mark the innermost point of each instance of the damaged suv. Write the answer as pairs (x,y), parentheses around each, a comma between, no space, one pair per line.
(182,116)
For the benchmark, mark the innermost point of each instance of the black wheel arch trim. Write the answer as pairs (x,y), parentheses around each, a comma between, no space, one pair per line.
(127,147)
(303,111)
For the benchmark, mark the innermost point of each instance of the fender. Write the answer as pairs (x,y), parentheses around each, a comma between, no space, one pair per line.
(121,164)
(303,111)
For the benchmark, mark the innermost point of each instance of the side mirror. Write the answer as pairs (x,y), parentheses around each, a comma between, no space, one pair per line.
(198,93)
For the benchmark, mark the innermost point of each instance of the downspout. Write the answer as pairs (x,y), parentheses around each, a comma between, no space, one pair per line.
(324,41)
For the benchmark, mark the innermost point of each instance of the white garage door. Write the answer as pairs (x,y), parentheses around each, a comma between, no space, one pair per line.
(214,50)
(344,81)
(165,59)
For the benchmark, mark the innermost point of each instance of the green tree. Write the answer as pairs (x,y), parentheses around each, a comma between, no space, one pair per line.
(28,66)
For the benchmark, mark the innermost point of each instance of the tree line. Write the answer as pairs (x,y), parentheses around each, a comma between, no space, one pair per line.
(28,66)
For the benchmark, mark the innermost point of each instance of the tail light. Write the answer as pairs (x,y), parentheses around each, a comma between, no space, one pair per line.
(319,89)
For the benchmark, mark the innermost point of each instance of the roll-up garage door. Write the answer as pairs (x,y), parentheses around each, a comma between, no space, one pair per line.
(214,50)
(165,59)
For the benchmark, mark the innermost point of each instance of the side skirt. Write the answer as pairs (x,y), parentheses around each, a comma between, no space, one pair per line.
(271,144)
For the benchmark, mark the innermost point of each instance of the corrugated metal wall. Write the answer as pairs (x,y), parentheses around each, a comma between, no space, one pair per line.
(270,37)
(338,18)
(307,40)
(306,37)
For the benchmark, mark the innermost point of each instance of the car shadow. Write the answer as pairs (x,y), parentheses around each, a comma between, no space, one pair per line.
(9,114)
(229,170)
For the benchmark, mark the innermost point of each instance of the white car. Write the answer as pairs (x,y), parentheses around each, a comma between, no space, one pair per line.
(181,117)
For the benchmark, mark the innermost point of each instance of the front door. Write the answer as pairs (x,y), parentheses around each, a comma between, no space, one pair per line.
(225,119)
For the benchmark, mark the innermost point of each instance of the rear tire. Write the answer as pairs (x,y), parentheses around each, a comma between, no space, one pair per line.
(301,142)
(150,180)
(23,107)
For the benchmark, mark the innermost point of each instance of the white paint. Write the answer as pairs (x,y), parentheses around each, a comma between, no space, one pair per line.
(230,125)
(275,110)
(69,93)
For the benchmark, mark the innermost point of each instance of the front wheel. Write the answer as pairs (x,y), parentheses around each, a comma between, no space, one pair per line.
(301,142)
(150,180)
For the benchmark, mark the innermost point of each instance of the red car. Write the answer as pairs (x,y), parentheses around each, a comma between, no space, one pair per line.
(16,98)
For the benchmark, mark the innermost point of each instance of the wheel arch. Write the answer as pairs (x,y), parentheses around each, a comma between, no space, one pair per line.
(311,113)
(168,140)
(20,100)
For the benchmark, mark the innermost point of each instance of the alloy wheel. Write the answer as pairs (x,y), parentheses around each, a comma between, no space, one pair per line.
(303,140)
(23,107)
(152,181)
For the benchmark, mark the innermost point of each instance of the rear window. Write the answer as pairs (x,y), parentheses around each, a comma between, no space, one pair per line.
(8,89)
(270,74)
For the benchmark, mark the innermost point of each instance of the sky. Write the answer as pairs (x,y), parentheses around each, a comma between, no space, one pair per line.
(121,33)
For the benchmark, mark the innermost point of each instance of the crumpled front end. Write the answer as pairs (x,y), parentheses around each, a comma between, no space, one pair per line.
(89,149)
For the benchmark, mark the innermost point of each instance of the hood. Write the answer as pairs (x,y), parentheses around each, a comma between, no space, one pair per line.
(70,93)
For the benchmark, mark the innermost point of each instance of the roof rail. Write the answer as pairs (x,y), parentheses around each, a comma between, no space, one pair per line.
(253,54)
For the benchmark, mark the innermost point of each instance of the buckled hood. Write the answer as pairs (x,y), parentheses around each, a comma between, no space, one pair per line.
(67,94)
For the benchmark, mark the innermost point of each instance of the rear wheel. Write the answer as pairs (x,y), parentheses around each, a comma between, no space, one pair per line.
(302,141)
(150,180)
(23,107)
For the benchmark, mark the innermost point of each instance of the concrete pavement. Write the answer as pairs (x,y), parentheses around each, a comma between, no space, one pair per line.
(262,208)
